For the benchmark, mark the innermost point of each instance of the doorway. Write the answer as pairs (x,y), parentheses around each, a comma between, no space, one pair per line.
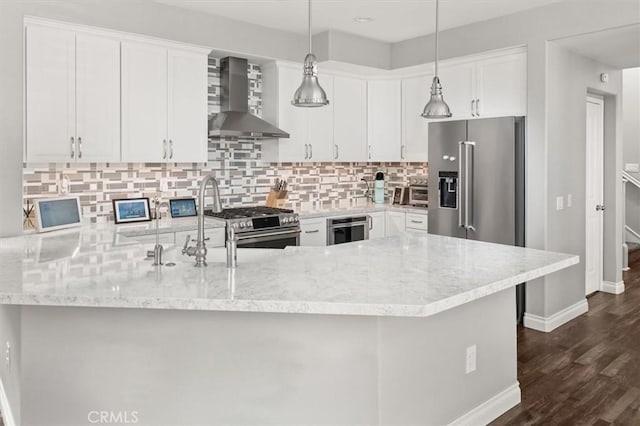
(594,194)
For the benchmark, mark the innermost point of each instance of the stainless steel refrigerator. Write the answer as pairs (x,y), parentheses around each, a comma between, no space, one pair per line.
(477,182)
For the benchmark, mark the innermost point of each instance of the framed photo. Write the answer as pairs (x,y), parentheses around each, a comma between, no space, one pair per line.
(183,207)
(128,210)
(57,213)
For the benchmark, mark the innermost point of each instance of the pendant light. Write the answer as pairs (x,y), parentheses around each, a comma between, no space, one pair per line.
(436,107)
(310,94)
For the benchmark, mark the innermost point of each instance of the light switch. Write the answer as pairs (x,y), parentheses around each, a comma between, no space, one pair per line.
(559,203)
(632,167)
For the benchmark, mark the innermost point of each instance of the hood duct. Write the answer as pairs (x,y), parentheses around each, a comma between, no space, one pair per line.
(234,120)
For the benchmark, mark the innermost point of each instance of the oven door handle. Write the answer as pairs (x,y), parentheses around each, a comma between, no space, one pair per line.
(266,236)
(349,225)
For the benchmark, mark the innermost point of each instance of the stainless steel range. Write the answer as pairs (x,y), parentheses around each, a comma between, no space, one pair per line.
(260,227)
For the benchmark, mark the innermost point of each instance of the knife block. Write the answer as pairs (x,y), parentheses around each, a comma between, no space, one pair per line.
(276,198)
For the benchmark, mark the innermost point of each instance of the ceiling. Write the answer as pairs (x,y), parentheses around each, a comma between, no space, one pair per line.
(617,47)
(393,20)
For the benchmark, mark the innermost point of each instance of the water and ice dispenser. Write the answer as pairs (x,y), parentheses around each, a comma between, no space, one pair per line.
(448,190)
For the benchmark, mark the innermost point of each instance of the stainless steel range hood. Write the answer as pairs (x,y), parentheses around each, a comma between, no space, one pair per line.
(234,120)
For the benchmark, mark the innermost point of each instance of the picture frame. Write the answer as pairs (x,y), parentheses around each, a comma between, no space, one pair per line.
(130,210)
(183,207)
(58,213)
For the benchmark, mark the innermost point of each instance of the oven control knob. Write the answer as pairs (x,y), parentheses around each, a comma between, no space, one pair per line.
(249,224)
(295,218)
(234,226)
(285,219)
(241,224)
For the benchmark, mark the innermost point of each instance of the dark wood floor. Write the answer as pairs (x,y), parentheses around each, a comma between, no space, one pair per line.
(586,372)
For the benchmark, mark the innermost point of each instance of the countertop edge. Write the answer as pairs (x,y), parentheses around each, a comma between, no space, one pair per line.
(286,307)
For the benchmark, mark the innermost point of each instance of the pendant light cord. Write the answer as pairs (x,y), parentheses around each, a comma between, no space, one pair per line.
(437,6)
(309,26)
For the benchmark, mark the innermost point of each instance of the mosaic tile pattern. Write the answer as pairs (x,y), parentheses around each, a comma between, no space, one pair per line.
(244,179)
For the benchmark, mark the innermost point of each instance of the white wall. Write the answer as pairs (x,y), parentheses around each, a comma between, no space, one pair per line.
(631,137)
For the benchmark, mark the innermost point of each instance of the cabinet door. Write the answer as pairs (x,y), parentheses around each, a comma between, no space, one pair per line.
(502,85)
(320,122)
(98,98)
(384,120)
(291,119)
(50,103)
(415,130)
(313,232)
(187,101)
(144,103)
(349,119)
(395,223)
(377,225)
(458,88)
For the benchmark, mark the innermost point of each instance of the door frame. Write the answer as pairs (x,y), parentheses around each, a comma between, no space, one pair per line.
(595,100)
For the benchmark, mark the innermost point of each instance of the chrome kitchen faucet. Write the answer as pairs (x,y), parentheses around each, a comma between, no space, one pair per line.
(200,249)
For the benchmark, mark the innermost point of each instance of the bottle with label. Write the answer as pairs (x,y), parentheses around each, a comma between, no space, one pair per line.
(378,188)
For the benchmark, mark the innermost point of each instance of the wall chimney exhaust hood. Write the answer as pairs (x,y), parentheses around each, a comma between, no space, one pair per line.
(234,120)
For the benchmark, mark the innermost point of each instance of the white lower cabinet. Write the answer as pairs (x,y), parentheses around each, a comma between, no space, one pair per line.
(416,221)
(313,232)
(395,223)
(377,225)
(399,222)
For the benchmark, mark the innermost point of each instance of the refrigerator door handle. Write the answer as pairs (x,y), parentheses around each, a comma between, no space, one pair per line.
(461,187)
(469,164)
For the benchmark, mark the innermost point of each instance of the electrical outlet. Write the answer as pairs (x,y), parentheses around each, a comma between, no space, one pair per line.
(471,359)
(7,356)
(569,200)
(164,185)
(559,203)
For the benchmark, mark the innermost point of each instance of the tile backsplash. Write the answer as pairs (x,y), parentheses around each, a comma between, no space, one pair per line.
(244,179)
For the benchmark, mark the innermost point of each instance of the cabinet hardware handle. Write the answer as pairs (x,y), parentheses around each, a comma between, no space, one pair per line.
(370,220)
(310,151)
(416,221)
(312,232)
(306,151)
(79,147)
(369,152)
(335,146)
(164,149)
(73,147)
(477,107)
(402,149)
(473,107)
(170,149)
(600,207)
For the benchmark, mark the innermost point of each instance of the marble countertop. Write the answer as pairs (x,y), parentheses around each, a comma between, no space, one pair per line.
(404,275)
(316,212)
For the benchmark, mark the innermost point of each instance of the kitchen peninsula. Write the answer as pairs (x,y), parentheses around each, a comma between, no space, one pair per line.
(372,332)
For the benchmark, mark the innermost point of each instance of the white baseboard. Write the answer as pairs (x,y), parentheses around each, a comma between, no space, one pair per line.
(491,409)
(613,288)
(548,324)
(5,408)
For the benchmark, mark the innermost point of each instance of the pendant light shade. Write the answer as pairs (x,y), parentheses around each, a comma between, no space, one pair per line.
(310,93)
(436,107)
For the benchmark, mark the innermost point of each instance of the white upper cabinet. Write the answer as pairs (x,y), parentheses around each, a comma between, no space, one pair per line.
(384,127)
(349,119)
(97,98)
(144,103)
(415,130)
(310,129)
(93,95)
(320,119)
(459,88)
(164,104)
(502,85)
(187,101)
(50,95)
